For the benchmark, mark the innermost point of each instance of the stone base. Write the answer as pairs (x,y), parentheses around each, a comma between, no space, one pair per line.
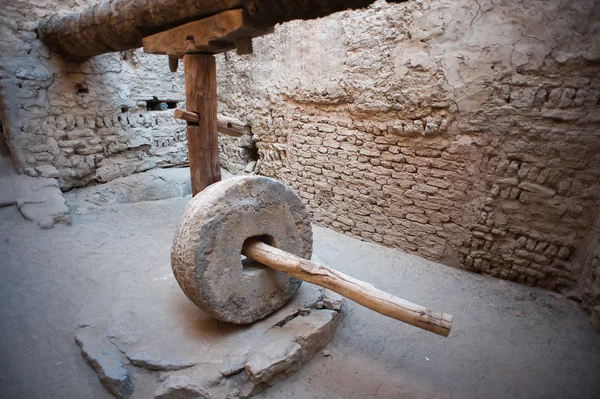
(168,348)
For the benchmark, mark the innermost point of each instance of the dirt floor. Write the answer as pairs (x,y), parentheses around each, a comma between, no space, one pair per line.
(508,341)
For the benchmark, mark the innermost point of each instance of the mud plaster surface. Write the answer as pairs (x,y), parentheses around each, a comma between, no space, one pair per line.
(508,340)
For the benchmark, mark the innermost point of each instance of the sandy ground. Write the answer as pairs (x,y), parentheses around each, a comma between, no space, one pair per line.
(508,341)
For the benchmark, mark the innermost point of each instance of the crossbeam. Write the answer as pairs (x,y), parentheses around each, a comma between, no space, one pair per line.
(212,35)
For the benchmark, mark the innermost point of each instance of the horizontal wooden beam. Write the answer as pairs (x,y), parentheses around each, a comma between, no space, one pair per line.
(215,34)
(226,125)
(117,25)
(231,126)
(187,116)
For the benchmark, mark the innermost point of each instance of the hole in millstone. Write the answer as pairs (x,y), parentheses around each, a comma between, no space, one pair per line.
(249,265)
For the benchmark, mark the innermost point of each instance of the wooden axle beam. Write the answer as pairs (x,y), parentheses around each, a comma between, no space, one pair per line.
(232,126)
(360,292)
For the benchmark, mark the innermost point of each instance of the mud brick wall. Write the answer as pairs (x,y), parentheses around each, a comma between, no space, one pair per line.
(465,132)
(93,147)
(238,155)
(93,121)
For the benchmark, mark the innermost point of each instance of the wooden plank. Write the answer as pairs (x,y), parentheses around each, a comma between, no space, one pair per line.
(215,34)
(201,98)
(117,25)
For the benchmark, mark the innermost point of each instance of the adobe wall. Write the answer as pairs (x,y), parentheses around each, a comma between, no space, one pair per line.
(90,120)
(465,132)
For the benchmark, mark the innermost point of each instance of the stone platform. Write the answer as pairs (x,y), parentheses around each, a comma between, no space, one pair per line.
(165,347)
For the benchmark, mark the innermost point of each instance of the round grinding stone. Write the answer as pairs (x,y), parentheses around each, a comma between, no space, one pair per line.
(206,255)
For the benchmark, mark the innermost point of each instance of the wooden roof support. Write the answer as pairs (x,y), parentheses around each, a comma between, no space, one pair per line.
(116,25)
(222,32)
(201,98)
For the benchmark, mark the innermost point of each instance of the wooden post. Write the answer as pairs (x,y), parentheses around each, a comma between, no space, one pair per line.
(201,98)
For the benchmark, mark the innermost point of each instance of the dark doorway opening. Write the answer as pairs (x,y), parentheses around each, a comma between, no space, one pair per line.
(4,151)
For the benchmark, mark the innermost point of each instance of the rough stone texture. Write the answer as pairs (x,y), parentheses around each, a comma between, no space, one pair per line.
(283,349)
(92,121)
(206,254)
(238,154)
(466,132)
(105,359)
(332,300)
(152,185)
(38,198)
(154,351)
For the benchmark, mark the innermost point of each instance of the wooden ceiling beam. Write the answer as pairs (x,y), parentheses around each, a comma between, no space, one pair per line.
(216,34)
(117,25)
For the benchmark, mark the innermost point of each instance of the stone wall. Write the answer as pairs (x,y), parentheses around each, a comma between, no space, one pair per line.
(238,155)
(466,132)
(93,121)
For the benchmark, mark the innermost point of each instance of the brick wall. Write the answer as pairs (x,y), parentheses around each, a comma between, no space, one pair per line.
(473,144)
(93,121)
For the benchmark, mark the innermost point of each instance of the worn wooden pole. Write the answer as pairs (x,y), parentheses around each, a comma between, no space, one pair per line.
(201,98)
(360,292)
(117,25)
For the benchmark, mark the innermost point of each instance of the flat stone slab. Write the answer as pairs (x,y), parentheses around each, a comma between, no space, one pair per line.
(163,346)
(38,197)
(152,185)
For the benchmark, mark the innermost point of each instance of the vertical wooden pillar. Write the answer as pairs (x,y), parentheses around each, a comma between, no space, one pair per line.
(201,97)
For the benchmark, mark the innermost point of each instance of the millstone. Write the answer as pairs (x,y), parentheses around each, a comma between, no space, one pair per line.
(206,255)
